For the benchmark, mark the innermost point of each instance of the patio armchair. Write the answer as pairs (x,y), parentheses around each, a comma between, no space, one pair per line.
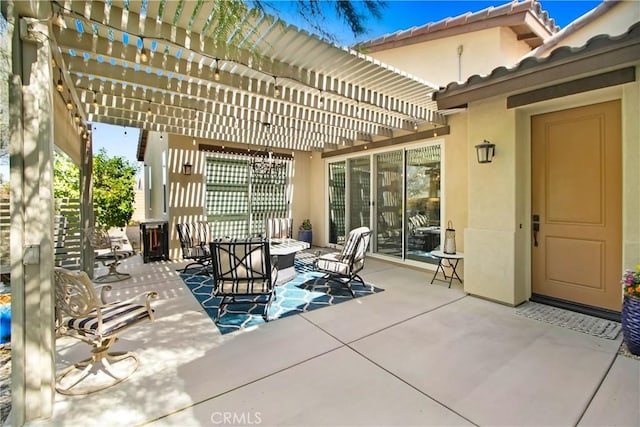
(110,258)
(279,228)
(194,242)
(346,264)
(242,268)
(81,314)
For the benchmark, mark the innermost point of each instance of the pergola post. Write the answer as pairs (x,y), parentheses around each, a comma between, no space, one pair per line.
(32,210)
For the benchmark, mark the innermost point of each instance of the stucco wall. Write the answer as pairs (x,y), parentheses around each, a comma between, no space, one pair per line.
(617,21)
(498,238)
(186,194)
(155,175)
(437,60)
(455,178)
(492,234)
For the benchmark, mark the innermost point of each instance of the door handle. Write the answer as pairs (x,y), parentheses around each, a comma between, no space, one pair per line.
(536,228)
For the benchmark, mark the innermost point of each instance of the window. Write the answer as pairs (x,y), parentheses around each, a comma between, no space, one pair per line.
(238,201)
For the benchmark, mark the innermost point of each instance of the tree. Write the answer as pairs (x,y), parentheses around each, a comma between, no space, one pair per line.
(232,17)
(66,177)
(113,189)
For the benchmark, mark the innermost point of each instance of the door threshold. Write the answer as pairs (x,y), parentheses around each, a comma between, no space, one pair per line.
(603,313)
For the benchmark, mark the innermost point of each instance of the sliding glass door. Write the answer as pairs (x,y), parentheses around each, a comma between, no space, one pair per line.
(389,191)
(359,192)
(337,206)
(422,206)
(406,191)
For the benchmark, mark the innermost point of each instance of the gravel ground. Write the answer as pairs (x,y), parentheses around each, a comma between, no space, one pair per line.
(5,382)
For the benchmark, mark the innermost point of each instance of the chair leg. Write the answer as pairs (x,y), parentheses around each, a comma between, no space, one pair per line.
(203,267)
(101,361)
(113,275)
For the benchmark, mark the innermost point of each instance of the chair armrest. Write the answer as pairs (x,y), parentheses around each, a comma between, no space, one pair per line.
(149,295)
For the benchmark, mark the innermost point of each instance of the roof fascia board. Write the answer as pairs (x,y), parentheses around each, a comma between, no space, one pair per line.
(419,136)
(530,77)
(586,84)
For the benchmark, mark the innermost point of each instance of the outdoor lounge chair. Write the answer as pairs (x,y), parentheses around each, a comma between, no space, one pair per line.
(81,314)
(345,265)
(279,228)
(242,268)
(194,241)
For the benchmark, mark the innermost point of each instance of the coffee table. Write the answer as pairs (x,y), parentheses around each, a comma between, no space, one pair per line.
(283,253)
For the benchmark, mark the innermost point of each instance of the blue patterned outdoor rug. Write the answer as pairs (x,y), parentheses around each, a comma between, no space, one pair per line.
(308,291)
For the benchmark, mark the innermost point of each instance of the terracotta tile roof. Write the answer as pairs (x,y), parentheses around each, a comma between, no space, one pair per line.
(461,22)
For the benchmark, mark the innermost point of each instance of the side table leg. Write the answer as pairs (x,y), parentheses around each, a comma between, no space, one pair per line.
(438,268)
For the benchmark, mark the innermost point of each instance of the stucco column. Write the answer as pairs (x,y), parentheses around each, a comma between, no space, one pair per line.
(494,232)
(32,207)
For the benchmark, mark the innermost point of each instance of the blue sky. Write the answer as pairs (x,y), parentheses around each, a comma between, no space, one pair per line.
(398,15)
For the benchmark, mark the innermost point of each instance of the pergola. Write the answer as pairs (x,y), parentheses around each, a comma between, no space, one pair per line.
(163,66)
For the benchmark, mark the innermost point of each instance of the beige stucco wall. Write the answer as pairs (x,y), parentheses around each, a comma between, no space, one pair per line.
(186,194)
(493,225)
(616,21)
(437,60)
(498,237)
(153,182)
(455,179)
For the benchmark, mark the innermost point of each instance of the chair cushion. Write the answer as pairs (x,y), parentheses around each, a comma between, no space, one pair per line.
(331,263)
(243,287)
(115,316)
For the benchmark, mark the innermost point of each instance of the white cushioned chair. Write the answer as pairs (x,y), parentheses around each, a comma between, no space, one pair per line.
(346,264)
(242,268)
(80,313)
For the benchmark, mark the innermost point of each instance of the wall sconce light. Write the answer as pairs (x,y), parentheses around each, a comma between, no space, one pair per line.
(186,169)
(485,151)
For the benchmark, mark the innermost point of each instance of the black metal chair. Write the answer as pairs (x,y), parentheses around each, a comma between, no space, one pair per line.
(242,268)
(346,264)
(194,242)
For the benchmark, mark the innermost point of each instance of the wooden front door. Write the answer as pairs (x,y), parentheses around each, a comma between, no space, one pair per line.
(577,205)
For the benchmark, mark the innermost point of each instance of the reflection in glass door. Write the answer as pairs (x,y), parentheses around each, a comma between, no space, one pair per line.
(359,193)
(388,238)
(337,204)
(422,211)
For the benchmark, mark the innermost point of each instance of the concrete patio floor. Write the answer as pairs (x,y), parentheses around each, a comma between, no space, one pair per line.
(415,354)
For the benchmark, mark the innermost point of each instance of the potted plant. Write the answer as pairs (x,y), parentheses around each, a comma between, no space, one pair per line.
(305,232)
(631,309)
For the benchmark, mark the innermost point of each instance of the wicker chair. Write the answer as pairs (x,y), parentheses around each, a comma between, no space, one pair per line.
(242,268)
(346,264)
(82,315)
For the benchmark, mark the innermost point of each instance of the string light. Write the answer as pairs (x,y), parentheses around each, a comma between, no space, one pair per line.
(216,72)
(59,85)
(60,22)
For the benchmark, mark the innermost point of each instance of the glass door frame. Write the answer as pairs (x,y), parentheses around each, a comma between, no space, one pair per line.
(374,194)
